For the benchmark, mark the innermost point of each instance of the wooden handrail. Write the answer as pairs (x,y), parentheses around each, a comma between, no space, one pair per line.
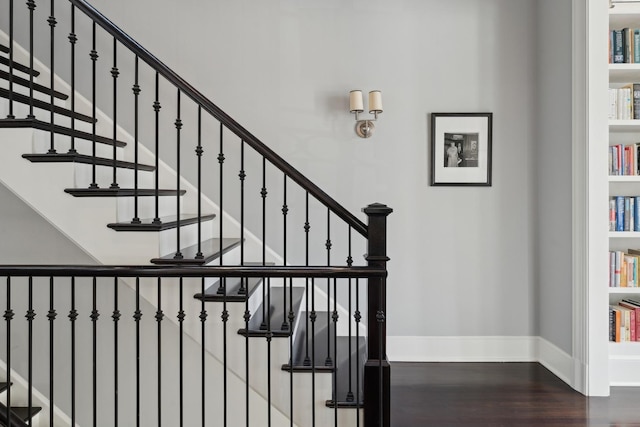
(220,115)
(205,271)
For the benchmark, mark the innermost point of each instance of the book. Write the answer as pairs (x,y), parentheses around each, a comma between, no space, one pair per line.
(619,213)
(636,45)
(628,325)
(618,52)
(614,323)
(636,310)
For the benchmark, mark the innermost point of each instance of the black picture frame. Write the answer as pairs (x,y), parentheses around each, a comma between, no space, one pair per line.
(461,149)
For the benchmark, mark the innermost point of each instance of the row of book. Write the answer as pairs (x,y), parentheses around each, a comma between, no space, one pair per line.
(624,46)
(624,102)
(624,213)
(624,321)
(624,269)
(623,159)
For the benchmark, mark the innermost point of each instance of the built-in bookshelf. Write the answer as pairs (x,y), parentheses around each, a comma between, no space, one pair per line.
(624,182)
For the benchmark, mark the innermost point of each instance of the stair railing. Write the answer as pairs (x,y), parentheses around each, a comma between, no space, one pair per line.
(272,168)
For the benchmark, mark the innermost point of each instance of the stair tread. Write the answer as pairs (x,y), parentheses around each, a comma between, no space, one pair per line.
(4,49)
(43,105)
(85,159)
(233,286)
(276,314)
(165,223)
(18,66)
(120,192)
(3,386)
(339,354)
(210,250)
(21,81)
(61,130)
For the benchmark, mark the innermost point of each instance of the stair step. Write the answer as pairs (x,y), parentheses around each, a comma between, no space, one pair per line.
(61,130)
(43,105)
(5,75)
(233,288)
(275,315)
(19,67)
(3,386)
(215,293)
(323,346)
(20,416)
(210,250)
(85,159)
(4,49)
(165,223)
(120,192)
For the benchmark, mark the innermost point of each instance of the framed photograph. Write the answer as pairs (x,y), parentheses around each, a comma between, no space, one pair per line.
(461,149)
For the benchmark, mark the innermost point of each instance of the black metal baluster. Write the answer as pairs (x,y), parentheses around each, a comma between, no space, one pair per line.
(136,132)
(94,319)
(307,227)
(73,316)
(328,361)
(31,4)
(199,152)
(291,337)
(156,108)
(203,319)
(30,316)
(52,23)
(178,254)
(349,264)
(8,316)
(116,318)
(181,316)
(10,115)
(159,318)
(313,352)
(223,280)
(137,315)
(357,316)
(73,39)
(285,211)
(263,194)
(335,352)
(269,337)
(115,73)
(243,290)
(51,315)
(242,175)
(94,58)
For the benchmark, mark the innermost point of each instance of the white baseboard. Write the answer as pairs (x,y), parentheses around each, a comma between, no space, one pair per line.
(482,349)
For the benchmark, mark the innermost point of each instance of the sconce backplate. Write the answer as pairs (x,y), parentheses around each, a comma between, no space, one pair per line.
(365,128)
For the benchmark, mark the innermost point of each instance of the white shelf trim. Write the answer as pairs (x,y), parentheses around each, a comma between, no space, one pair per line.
(624,290)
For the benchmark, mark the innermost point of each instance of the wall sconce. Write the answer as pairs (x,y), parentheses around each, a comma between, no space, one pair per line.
(364,128)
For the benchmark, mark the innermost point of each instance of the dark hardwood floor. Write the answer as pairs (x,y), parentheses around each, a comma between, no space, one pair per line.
(500,394)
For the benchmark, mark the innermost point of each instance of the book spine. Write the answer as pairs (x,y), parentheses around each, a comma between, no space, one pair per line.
(619,213)
(636,45)
(612,215)
(618,53)
(612,324)
(636,214)
(632,211)
(627,211)
(636,98)
(618,266)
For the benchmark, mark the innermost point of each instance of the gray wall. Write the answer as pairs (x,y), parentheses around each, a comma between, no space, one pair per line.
(553,173)
(464,260)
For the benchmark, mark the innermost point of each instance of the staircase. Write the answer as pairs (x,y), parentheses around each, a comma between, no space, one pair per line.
(293,340)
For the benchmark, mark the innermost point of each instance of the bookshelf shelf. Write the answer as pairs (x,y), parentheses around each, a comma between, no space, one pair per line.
(625,125)
(624,178)
(624,234)
(624,290)
(623,73)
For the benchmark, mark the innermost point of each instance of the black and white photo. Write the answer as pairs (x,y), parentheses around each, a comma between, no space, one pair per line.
(461,148)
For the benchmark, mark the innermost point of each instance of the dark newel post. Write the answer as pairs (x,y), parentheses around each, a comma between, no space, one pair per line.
(377,372)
